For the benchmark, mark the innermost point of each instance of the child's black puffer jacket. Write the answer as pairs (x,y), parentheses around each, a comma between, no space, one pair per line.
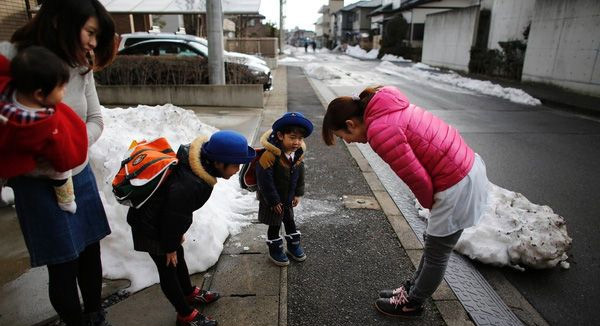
(157,226)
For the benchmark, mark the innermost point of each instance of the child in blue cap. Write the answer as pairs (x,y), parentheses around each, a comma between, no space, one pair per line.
(159,225)
(280,180)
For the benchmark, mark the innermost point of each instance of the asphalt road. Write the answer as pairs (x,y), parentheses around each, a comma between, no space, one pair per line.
(550,156)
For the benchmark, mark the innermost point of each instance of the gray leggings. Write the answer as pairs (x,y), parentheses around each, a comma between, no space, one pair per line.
(433,264)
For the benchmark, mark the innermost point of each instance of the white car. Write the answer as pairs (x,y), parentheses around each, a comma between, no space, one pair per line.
(133,38)
(180,47)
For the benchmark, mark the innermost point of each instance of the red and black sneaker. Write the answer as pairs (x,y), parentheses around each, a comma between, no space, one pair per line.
(200,297)
(195,319)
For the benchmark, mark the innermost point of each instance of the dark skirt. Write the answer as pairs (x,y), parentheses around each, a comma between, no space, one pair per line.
(267,216)
(52,235)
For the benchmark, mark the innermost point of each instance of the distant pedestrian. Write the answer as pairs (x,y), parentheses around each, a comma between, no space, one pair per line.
(313,44)
(82,34)
(158,227)
(39,135)
(306,46)
(435,162)
(280,179)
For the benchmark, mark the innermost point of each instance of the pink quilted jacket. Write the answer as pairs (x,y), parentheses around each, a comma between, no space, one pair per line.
(424,151)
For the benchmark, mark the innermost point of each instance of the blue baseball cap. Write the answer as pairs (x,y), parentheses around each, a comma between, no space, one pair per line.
(293,119)
(227,146)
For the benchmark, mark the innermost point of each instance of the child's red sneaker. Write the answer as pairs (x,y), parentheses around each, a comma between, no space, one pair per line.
(199,297)
(195,319)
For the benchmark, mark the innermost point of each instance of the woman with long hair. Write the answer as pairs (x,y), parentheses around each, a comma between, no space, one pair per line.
(82,34)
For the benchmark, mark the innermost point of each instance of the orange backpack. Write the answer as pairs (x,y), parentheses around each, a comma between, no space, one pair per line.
(146,167)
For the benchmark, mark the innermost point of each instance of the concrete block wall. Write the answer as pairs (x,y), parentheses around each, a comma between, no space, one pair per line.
(564,45)
(509,19)
(13,14)
(449,37)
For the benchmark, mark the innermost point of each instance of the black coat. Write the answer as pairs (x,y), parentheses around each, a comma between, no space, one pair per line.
(157,226)
(278,179)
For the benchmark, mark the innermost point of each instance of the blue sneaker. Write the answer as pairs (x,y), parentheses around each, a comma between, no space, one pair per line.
(276,253)
(293,246)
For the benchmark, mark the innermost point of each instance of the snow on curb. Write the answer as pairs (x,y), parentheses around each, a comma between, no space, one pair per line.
(225,213)
(515,232)
(452,78)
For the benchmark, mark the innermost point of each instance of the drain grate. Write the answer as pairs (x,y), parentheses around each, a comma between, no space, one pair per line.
(480,300)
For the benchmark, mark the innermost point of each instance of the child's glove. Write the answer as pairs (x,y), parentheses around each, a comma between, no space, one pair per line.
(65,195)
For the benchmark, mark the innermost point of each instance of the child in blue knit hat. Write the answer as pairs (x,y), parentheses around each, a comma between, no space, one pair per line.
(280,180)
(159,225)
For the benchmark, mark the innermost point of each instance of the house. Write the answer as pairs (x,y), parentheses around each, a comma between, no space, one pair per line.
(351,21)
(133,16)
(324,26)
(379,17)
(415,12)
(13,15)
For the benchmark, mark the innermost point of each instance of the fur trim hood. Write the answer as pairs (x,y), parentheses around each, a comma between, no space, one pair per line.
(195,162)
(267,140)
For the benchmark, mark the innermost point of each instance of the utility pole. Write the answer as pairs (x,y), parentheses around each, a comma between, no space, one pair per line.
(216,64)
(281,30)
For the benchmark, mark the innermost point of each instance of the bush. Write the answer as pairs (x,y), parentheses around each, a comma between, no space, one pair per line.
(150,70)
(506,63)
(394,38)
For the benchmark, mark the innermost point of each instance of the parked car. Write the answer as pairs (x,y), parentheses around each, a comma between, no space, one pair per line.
(172,47)
(133,38)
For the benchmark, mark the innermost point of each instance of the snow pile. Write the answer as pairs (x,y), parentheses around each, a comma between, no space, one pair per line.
(357,52)
(221,216)
(393,58)
(452,78)
(320,72)
(515,232)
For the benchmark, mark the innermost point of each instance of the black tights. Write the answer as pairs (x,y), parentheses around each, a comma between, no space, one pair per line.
(288,223)
(175,281)
(86,271)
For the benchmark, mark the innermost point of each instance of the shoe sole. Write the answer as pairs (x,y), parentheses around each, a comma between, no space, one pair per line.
(397,316)
(303,258)
(279,263)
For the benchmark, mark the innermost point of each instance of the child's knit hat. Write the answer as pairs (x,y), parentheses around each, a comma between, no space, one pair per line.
(227,146)
(293,119)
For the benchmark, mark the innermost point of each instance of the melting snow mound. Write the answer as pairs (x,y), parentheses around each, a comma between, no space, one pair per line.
(515,232)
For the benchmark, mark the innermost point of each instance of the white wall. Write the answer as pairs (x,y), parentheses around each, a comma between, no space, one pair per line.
(448,38)
(509,20)
(564,45)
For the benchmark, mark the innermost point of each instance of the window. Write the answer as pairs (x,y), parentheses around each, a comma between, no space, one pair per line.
(133,40)
(142,49)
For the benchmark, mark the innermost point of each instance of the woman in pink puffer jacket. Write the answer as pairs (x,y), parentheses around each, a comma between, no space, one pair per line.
(435,162)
